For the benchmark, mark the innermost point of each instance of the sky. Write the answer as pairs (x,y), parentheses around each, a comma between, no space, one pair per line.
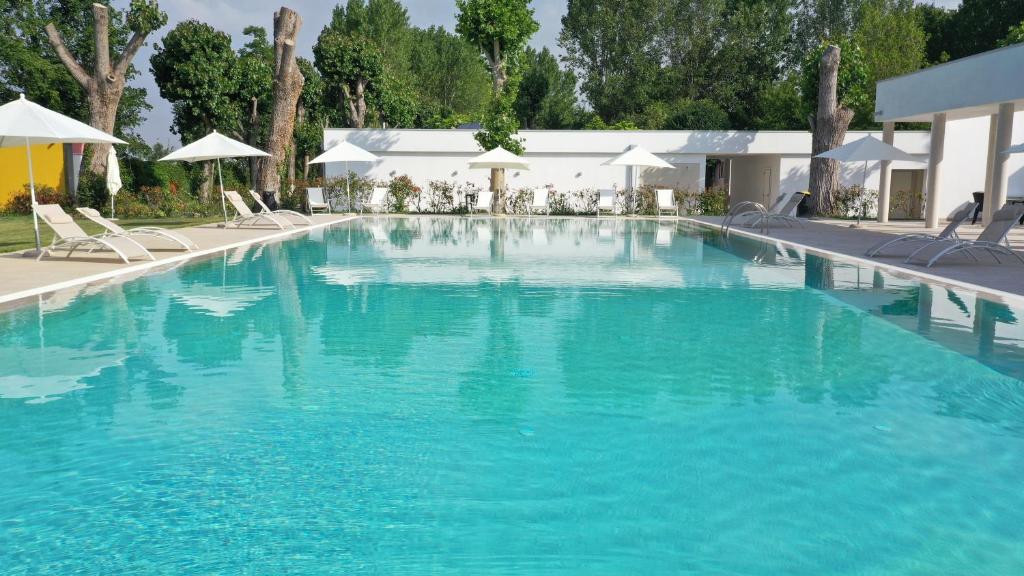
(233,16)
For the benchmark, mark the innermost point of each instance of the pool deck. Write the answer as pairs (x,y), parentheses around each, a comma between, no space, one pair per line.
(24,276)
(837,237)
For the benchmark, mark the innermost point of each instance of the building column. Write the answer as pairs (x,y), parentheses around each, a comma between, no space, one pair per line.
(1000,174)
(885,177)
(935,154)
(990,160)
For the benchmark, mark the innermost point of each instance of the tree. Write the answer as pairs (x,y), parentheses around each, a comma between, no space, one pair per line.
(894,44)
(500,30)
(451,79)
(979,25)
(287,85)
(547,94)
(253,72)
(195,69)
(1015,36)
(610,46)
(351,63)
(105,86)
(828,128)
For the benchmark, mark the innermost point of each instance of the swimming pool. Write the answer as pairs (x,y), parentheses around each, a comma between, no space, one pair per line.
(548,396)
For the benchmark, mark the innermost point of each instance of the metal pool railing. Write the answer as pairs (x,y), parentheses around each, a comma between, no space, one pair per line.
(746,208)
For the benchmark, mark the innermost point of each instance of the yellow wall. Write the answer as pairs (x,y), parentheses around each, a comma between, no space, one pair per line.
(47,166)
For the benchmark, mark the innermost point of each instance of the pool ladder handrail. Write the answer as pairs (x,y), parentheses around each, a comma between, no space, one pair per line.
(747,207)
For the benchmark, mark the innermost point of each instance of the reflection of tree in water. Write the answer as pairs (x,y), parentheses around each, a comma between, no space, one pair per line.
(498,383)
(819,272)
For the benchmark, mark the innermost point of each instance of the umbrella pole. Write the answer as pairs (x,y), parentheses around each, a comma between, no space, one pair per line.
(32,192)
(348,186)
(860,194)
(223,204)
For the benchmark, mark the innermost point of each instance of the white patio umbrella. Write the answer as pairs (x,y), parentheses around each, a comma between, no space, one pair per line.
(637,157)
(214,146)
(24,123)
(114,183)
(499,158)
(868,149)
(346,152)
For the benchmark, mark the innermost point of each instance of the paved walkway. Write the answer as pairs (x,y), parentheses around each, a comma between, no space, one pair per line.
(24,277)
(837,236)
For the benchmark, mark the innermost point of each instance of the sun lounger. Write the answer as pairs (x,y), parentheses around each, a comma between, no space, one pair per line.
(290,215)
(606,201)
(483,201)
(540,200)
(246,217)
(666,201)
(992,239)
(949,232)
(69,236)
(782,211)
(144,231)
(316,201)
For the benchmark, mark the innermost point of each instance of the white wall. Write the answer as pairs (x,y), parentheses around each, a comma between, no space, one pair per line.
(573,160)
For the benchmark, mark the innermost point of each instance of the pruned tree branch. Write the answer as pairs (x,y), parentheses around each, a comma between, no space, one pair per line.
(134,44)
(70,62)
(101,31)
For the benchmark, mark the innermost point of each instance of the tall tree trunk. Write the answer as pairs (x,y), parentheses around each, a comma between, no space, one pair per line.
(253,139)
(105,86)
(829,130)
(288,83)
(355,102)
(497,190)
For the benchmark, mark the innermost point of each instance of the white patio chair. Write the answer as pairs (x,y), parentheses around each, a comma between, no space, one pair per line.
(606,201)
(246,217)
(377,197)
(483,201)
(666,201)
(145,231)
(316,201)
(285,214)
(69,236)
(540,200)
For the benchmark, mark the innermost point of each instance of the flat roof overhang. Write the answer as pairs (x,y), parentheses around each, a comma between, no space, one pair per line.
(966,88)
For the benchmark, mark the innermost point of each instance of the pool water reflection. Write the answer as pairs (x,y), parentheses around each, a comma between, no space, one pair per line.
(475,395)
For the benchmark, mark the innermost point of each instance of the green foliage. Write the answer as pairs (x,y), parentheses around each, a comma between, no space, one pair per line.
(547,94)
(1014,36)
(696,115)
(21,203)
(778,106)
(145,16)
(499,127)
(29,65)
(401,191)
(500,29)
(854,89)
(452,83)
(713,201)
(195,68)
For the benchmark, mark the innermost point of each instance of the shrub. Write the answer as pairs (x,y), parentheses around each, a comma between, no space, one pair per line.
(21,203)
(713,201)
(400,191)
(442,196)
(849,201)
(518,201)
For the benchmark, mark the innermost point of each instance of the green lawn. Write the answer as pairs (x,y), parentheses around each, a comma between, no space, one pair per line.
(16,231)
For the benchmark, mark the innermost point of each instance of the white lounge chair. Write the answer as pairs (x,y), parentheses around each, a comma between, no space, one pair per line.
(69,236)
(377,198)
(285,214)
(781,211)
(145,231)
(992,239)
(666,201)
(483,201)
(317,201)
(606,201)
(540,200)
(246,217)
(949,232)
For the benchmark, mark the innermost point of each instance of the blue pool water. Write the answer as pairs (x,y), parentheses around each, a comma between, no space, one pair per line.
(467,396)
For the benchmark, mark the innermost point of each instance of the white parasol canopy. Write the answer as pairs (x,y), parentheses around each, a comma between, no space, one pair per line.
(214,146)
(868,149)
(499,158)
(23,123)
(114,183)
(638,156)
(346,152)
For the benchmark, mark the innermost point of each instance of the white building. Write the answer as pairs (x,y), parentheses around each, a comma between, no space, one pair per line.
(971,103)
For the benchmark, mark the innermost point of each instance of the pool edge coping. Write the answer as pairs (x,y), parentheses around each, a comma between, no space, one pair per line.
(993,293)
(156,264)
